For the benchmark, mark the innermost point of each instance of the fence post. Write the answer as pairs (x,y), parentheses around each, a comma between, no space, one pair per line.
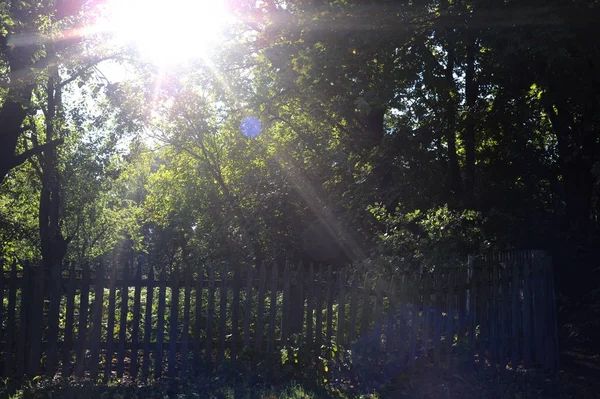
(110,329)
(329,330)
(160,324)
(198,316)
(515,315)
(210,314)
(353,308)
(310,297)
(186,322)
(24,315)
(450,304)
(527,317)
(123,321)
(258,343)
(222,313)
(273,314)
(341,309)
(174,308)
(248,305)
(235,314)
(285,313)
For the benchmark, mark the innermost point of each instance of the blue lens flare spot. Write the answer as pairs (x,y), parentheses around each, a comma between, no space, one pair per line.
(250,126)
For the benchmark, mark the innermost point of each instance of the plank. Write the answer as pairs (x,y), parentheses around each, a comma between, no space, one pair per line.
(353,309)
(148,323)
(414,314)
(505,322)
(123,321)
(400,330)
(527,315)
(330,288)
(186,323)
(258,341)
(23,317)
(319,306)
(97,321)
(426,311)
(83,321)
(173,323)
(235,314)
(160,324)
(273,310)
(36,317)
(494,316)
(389,322)
(210,315)
(286,311)
(248,305)
(450,312)
(299,316)
(437,318)
(514,337)
(110,328)
(310,298)
(472,302)
(53,319)
(366,308)
(378,314)
(198,317)
(135,323)
(222,314)
(12,284)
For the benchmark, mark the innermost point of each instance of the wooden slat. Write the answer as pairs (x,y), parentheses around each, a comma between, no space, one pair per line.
(299,316)
(110,328)
(389,322)
(414,314)
(222,314)
(198,317)
(450,311)
(135,323)
(505,322)
(235,314)
(353,309)
(160,324)
(173,323)
(330,288)
(97,321)
(378,315)
(260,311)
(210,315)
(462,281)
(366,308)
(83,321)
(494,317)
(186,322)
(23,317)
(148,323)
(69,321)
(515,316)
(426,309)
(437,318)
(319,306)
(35,318)
(401,335)
(286,311)
(123,321)
(248,305)
(273,310)
(472,303)
(527,315)
(53,316)
(310,303)
(10,322)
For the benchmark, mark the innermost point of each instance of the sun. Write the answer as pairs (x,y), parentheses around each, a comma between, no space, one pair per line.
(168,32)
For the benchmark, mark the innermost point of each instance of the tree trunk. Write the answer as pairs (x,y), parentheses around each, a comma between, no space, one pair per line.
(471,92)
(455,180)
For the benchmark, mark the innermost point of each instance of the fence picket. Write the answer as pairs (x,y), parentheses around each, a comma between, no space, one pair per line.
(450,304)
(210,314)
(285,313)
(437,319)
(299,316)
(135,324)
(235,314)
(310,297)
(83,320)
(222,314)
(53,316)
(329,331)
(341,310)
(160,324)
(173,323)
(186,322)
(527,308)
(273,309)
(389,322)
(260,310)
(198,317)
(21,355)
(515,316)
(97,321)
(148,323)
(319,308)
(110,328)
(353,309)
(123,321)
(248,306)
(10,321)
(35,319)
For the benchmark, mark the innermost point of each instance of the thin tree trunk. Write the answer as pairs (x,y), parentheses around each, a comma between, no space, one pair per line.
(471,91)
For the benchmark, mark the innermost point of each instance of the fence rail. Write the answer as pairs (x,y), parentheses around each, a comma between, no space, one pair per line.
(124,319)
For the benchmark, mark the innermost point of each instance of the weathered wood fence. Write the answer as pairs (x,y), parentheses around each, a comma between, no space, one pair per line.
(125,320)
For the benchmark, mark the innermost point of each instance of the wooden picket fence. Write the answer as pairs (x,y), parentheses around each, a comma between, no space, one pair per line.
(121,319)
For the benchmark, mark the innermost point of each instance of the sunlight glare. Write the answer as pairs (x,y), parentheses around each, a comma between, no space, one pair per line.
(169,32)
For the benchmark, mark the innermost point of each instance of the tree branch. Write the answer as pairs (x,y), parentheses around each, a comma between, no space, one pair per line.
(19,159)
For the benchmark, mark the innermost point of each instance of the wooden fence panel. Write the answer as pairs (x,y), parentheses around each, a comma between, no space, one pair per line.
(258,342)
(340,338)
(273,309)
(210,314)
(310,305)
(198,317)
(69,322)
(285,314)
(319,305)
(248,305)
(527,315)
(36,318)
(222,314)
(235,314)
(353,309)
(514,337)
(21,355)
(329,328)
(53,316)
